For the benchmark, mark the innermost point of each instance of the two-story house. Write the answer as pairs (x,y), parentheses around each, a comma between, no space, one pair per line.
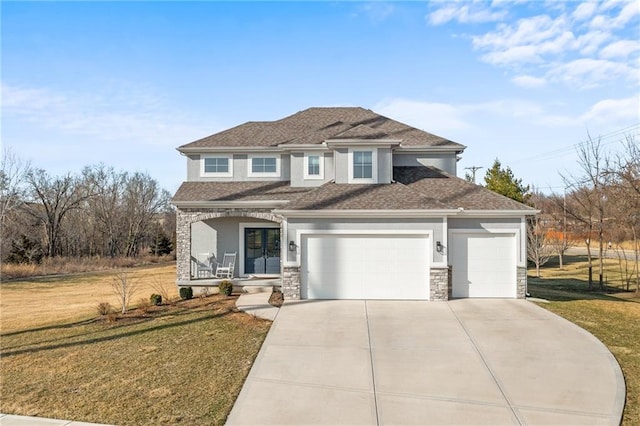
(343,203)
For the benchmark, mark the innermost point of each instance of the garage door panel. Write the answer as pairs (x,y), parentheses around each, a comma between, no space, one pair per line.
(365,267)
(484,264)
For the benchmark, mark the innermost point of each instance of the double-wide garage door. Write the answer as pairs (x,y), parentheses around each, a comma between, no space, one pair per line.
(484,264)
(365,266)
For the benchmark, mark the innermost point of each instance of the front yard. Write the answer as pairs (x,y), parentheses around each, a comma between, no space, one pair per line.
(612,317)
(175,364)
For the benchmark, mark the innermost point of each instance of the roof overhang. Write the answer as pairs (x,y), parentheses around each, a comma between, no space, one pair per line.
(233,149)
(341,143)
(430,149)
(303,147)
(256,204)
(403,213)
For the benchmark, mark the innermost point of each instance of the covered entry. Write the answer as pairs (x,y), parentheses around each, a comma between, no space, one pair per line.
(365,266)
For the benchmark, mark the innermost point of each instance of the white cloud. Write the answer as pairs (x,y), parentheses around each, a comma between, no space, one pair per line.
(377,11)
(620,49)
(528,81)
(588,73)
(616,112)
(112,113)
(584,11)
(465,13)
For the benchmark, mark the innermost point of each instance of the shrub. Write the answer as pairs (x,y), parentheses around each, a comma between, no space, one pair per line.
(144,304)
(204,292)
(104,308)
(226,287)
(186,293)
(156,299)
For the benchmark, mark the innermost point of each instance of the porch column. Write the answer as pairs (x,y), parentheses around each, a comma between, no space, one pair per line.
(183,246)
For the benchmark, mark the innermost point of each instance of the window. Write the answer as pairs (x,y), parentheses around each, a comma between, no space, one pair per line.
(264,166)
(217,166)
(362,165)
(313,166)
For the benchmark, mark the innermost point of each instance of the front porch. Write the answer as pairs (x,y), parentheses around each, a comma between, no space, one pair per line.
(203,238)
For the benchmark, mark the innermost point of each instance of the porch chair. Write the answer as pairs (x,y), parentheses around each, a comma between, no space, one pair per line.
(225,269)
(204,264)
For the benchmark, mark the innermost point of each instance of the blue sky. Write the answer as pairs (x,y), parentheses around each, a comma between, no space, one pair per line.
(125,83)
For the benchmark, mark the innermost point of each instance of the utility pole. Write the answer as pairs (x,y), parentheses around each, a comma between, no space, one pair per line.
(473,169)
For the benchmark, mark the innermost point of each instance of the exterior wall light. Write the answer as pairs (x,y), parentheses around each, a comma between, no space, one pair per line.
(292,245)
(438,246)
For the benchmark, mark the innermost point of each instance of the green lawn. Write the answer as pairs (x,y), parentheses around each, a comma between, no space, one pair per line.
(614,318)
(183,364)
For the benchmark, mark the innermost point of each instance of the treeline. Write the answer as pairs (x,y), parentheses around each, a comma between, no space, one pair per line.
(599,207)
(97,212)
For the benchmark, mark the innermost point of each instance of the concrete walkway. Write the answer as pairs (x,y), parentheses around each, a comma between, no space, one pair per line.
(257,304)
(403,362)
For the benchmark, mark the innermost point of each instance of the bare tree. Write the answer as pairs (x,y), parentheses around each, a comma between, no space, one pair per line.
(12,177)
(124,288)
(51,199)
(538,250)
(586,203)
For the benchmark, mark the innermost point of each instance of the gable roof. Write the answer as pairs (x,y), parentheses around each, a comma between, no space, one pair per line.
(415,188)
(315,125)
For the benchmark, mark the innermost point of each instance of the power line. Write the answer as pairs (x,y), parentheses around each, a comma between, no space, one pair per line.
(474,169)
(606,139)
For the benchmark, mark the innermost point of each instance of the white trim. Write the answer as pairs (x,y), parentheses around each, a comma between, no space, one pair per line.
(429,149)
(516,232)
(251,173)
(228,173)
(374,164)
(229,149)
(365,142)
(231,204)
(304,147)
(241,227)
(400,213)
(320,156)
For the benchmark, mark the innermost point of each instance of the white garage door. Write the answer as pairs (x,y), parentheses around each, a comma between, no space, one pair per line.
(365,266)
(484,264)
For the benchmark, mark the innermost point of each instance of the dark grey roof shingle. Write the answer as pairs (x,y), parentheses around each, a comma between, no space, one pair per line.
(315,125)
(415,188)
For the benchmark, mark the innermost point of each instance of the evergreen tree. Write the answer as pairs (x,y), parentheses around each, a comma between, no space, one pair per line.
(504,182)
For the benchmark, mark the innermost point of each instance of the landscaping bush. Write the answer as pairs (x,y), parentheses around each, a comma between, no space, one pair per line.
(156,299)
(104,308)
(226,287)
(186,293)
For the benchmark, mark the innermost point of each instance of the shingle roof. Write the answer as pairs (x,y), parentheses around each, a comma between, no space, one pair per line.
(237,191)
(453,191)
(315,125)
(415,188)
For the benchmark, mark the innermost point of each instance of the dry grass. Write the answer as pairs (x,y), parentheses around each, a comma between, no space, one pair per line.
(35,302)
(182,364)
(612,317)
(73,265)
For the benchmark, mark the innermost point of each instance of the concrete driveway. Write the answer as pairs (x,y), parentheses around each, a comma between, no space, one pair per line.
(403,362)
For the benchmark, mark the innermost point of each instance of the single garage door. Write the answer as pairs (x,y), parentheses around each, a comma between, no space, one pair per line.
(363,266)
(484,264)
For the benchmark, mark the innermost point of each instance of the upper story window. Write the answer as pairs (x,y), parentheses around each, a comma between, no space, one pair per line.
(217,166)
(313,166)
(363,166)
(264,166)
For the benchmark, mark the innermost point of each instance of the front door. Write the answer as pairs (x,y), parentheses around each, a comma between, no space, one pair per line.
(262,250)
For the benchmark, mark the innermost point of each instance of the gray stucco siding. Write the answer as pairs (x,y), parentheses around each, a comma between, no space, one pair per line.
(240,169)
(294,226)
(444,162)
(297,170)
(385,167)
(341,165)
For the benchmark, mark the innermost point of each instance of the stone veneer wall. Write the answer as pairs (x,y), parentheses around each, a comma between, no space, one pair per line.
(521,290)
(291,282)
(184,219)
(439,288)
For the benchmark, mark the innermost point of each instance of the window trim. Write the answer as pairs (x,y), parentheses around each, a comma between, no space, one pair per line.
(251,173)
(228,173)
(374,165)
(320,175)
